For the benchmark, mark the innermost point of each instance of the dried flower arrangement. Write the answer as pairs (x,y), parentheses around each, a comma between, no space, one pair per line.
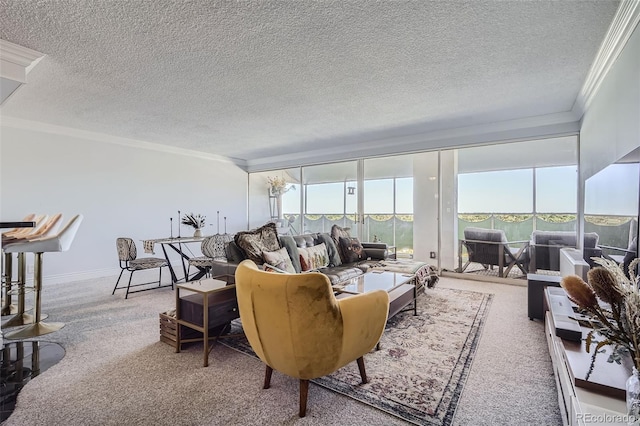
(617,318)
(278,185)
(195,221)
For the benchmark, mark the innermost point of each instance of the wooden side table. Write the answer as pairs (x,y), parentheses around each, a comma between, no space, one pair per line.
(217,298)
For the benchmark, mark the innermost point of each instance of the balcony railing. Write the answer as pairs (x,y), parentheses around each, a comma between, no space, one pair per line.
(393,229)
(397,230)
(615,231)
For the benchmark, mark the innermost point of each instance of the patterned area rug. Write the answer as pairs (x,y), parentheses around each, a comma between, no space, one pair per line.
(423,362)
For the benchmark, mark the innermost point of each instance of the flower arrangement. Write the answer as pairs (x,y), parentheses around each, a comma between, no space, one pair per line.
(196,221)
(617,319)
(278,185)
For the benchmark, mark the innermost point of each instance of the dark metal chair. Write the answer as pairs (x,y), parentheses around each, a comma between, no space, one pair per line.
(489,247)
(128,257)
(545,248)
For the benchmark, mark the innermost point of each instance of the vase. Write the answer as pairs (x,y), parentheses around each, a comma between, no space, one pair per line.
(633,398)
(197,233)
(279,206)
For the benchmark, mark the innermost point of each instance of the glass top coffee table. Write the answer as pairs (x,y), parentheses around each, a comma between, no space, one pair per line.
(402,291)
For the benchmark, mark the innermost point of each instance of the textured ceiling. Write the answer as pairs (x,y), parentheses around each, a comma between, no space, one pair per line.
(251,79)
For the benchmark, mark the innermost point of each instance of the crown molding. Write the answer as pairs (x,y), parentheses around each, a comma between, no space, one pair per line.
(624,23)
(16,61)
(37,126)
(538,127)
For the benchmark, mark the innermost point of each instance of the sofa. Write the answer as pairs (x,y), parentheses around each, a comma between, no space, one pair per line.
(545,248)
(346,257)
(335,270)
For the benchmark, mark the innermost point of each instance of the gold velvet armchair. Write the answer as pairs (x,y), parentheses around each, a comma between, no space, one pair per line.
(296,326)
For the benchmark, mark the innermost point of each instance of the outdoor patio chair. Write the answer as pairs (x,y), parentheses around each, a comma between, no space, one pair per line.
(545,248)
(489,247)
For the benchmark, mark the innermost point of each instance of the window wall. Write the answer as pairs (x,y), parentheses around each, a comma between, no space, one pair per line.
(611,204)
(330,197)
(518,188)
(388,202)
(376,207)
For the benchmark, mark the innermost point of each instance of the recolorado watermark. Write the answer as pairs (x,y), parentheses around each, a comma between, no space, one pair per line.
(608,418)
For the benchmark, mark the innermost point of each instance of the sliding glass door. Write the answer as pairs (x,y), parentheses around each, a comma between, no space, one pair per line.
(330,197)
(388,202)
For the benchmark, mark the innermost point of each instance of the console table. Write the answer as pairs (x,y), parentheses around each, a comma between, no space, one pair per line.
(599,401)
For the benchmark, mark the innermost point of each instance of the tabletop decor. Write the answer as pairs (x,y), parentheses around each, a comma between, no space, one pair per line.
(196,221)
(278,187)
(611,301)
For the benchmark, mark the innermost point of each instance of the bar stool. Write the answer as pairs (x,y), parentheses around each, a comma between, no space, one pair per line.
(8,308)
(38,246)
(44,227)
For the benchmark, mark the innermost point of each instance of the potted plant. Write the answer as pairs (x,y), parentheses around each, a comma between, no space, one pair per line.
(196,221)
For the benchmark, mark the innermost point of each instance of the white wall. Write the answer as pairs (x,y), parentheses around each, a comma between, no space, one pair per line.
(120,190)
(611,125)
(259,207)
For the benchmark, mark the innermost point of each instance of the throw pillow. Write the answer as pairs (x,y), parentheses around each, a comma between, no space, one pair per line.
(305,263)
(332,249)
(336,233)
(352,249)
(257,241)
(269,268)
(280,259)
(314,257)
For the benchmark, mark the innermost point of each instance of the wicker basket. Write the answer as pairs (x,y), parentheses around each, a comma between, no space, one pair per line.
(169,331)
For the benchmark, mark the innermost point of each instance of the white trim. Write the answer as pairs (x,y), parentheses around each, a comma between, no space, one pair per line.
(19,123)
(16,61)
(544,126)
(624,23)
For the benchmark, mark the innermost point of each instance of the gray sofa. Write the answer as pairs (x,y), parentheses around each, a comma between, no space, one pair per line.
(336,271)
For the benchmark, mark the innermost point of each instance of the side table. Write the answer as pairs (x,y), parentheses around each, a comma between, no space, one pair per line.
(219,306)
(536,283)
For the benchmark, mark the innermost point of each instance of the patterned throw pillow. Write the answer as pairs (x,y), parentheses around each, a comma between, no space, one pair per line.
(313,257)
(305,263)
(280,259)
(257,241)
(352,250)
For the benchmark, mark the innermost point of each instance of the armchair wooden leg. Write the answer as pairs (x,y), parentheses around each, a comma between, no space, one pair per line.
(363,373)
(267,377)
(304,391)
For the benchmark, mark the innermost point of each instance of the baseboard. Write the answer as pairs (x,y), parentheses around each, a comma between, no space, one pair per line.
(77,276)
(497,280)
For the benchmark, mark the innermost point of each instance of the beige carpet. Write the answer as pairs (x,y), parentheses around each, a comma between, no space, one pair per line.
(117,372)
(423,361)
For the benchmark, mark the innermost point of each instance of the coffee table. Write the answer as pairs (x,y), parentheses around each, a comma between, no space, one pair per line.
(401,293)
